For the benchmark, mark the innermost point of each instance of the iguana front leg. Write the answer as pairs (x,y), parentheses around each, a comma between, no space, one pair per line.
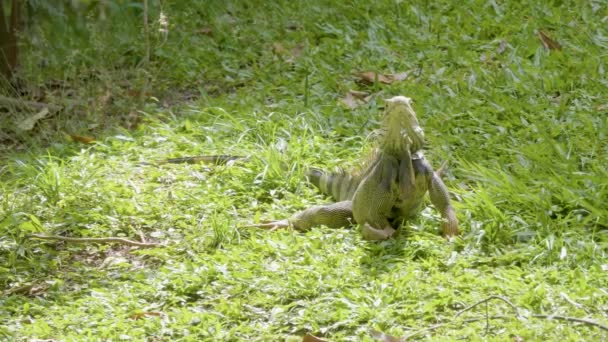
(375,196)
(440,198)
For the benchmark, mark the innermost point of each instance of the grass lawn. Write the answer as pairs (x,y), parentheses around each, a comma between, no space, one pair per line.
(512,94)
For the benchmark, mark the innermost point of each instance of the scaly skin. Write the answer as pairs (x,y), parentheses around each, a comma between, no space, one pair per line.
(427,180)
(390,188)
(376,196)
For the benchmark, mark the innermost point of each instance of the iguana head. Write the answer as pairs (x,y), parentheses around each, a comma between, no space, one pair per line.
(400,126)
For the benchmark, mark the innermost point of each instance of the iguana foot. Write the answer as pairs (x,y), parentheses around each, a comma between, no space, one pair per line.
(449,229)
(273,225)
(370,233)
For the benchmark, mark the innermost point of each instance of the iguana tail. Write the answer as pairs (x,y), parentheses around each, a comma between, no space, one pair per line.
(339,185)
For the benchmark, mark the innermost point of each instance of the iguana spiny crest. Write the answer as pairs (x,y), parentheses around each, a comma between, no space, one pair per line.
(400,128)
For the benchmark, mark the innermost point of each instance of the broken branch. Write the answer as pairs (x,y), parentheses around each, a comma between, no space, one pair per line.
(97,240)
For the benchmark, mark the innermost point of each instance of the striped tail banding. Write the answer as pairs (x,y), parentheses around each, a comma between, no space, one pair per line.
(339,185)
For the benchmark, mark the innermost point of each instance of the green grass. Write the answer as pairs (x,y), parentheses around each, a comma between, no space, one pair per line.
(523,128)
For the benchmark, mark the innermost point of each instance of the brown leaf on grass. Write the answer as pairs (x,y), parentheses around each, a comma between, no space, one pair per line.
(354,99)
(133,119)
(138,93)
(297,50)
(370,77)
(279,49)
(548,42)
(205,31)
(293,26)
(31,290)
(401,76)
(312,338)
(517,338)
(350,101)
(18,290)
(602,107)
(362,95)
(289,54)
(378,335)
(140,315)
(82,139)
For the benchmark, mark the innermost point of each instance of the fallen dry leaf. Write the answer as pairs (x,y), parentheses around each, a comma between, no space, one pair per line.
(133,119)
(30,122)
(517,338)
(354,99)
(401,76)
(82,139)
(278,49)
(371,77)
(137,93)
(290,55)
(363,95)
(548,43)
(31,290)
(140,315)
(350,101)
(297,50)
(312,338)
(384,337)
(205,31)
(293,26)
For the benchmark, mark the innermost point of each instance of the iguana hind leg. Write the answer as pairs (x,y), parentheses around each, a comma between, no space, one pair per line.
(335,215)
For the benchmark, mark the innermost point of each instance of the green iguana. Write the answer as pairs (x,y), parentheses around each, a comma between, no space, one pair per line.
(389,188)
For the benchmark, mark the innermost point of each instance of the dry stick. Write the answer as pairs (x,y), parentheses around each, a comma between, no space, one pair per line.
(97,240)
(487,318)
(563,318)
(487,300)
(572,319)
(439,325)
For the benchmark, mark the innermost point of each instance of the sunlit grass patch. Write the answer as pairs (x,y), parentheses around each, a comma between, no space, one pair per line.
(523,129)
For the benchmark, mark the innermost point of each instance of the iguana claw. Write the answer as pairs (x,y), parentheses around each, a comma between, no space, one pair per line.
(370,233)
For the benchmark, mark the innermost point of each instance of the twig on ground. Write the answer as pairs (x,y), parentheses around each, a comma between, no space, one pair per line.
(439,325)
(572,319)
(97,240)
(212,159)
(573,303)
(487,300)
(487,318)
